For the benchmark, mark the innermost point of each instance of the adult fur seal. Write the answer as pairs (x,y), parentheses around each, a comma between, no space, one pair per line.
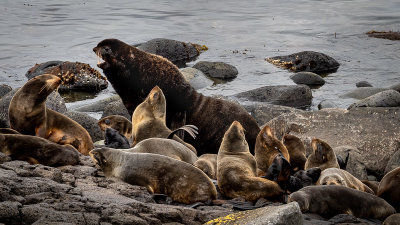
(208,164)
(335,176)
(267,148)
(237,169)
(389,188)
(330,200)
(297,152)
(37,150)
(29,115)
(133,73)
(159,174)
(119,123)
(323,156)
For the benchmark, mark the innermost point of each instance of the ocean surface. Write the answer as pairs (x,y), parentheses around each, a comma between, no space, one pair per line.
(241,33)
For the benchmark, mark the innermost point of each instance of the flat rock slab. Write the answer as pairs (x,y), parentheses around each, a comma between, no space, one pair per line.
(288,214)
(389,98)
(306,61)
(298,96)
(385,35)
(373,131)
(218,70)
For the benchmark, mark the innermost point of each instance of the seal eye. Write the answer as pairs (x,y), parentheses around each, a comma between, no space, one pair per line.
(107,121)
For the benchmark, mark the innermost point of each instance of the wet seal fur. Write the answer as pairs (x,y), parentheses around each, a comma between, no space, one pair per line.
(389,188)
(267,148)
(119,123)
(237,169)
(29,115)
(133,73)
(323,156)
(297,152)
(335,176)
(331,200)
(208,164)
(159,174)
(37,150)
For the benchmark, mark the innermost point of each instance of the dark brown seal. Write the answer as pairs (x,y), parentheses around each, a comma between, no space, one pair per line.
(237,169)
(37,150)
(297,152)
(119,123)
(372,184)
(133,73)
(29,115)
(331,200)
(159,174)
(208,164)
(323,156)
(389,188)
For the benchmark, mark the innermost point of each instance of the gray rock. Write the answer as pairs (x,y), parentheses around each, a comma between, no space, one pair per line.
(87,122)
(285,214)
(175,51)
(116,108)
(394,160)
(363,92)
(75,75)
(373,131)
(196,78)
(363,84)
(98,106)
(9,212)
(298,96)
(389,98)
(306,61)
(307,78)
(4,158)
(326,104)
(355,165)
(4,89)
(264,112)
(395,87)
(392,220)
(218,70)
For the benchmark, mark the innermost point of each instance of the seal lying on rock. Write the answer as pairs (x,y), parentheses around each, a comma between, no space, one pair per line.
(335,176)
(323,156)
(119,123)
(331,200)
(389,188)
(133,73)
(37,150)
(237,169)
(29,115)
(159,174)
(208,164)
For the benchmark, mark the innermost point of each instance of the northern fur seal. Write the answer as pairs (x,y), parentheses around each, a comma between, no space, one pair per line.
(330,200)
(148,119)
(208,164)
(237,169)
(119,123)
(159,174)
(37,150)
(308,177)
(113,139)
(297,152)
(29,115)
(267,148)
(323,156)
(372,184)
(389,188)
(335,176)
(133,73)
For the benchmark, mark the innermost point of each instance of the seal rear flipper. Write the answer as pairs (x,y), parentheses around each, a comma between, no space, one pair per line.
(190,129)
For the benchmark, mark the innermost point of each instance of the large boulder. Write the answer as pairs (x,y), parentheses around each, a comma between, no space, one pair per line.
(363,92)
(74,75)
(394,160)
(306,61)
(87,122)
(355,165)
(218,70)
(373,131)
(264,112)
(389,98)
(307,78)
(298,96)
(196,78)
(97,106)
(116,108)
(175,51)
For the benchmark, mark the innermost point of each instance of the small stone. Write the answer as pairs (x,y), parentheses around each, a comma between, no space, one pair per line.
(307,78)
(395,87)
(218,70)
(363,84)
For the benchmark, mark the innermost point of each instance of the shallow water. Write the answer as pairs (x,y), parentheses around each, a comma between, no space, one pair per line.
(237,32)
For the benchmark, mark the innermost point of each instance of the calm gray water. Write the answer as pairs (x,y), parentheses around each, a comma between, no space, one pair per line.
(38,31)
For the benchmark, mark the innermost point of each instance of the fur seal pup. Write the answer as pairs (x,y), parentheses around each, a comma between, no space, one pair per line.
(267,148)
(297,152)
(335,176)
(323,156)
(159,174)
(237,169)
(330,200)
(133,73)
(308,177)
(389,188)
(148,119)
(29,115)
(119,123)
(208,164)
(113,139)
(37,150)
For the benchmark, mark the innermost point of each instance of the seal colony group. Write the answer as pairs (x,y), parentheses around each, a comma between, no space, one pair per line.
(147,152)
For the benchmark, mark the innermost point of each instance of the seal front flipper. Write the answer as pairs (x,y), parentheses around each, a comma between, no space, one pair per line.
(190,129)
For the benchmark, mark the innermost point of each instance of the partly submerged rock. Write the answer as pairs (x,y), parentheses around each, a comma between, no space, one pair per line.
(307,78)
(306,61)
(4,89)
(355,165)
(389,98)
(363,84)
(218,70)
(196,78)
(391,35)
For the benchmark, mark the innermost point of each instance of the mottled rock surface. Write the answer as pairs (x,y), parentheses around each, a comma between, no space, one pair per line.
(98,106)
(391,35)
(218,70)
(87,122)
(307,78)
(389,98)
(4,89)
(363,84)
(116,108)
(363,92)
(196,78)
(326,104)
